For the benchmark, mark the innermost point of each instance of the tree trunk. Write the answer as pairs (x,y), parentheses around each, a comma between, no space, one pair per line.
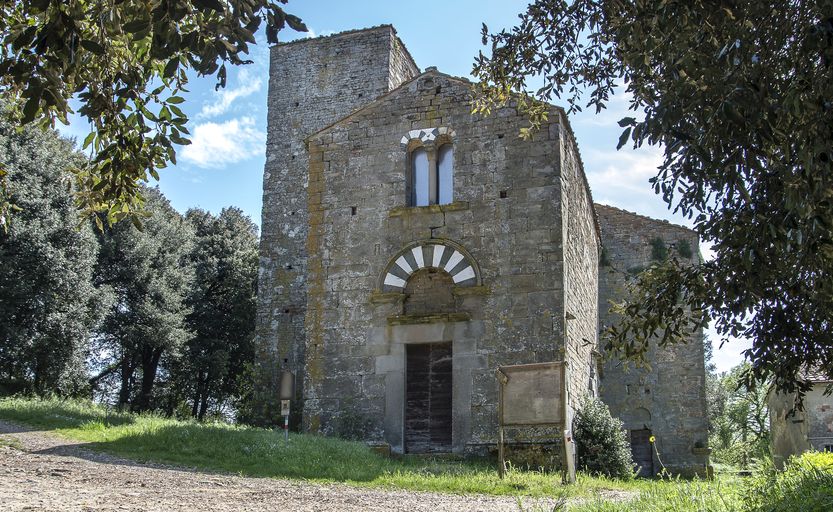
(204,401)
(126,377)
(150,364)
(197,395)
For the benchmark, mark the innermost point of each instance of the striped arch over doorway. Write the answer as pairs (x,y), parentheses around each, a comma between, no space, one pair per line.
(439,254)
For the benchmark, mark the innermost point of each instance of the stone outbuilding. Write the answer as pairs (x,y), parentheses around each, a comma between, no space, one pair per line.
(410,248)
(794,431)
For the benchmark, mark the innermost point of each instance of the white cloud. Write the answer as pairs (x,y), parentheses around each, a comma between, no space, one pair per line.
(246,86)
(616,108)
(620,178)
(218,144)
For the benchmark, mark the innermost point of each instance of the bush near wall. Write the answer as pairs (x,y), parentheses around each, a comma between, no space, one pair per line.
(601,445)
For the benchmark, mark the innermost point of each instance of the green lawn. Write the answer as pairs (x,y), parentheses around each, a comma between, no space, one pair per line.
(263,453)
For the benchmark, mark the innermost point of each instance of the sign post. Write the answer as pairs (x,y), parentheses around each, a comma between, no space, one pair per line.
(287,392)
(285,414)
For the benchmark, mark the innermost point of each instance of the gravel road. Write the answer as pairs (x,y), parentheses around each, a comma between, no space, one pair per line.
(45,472)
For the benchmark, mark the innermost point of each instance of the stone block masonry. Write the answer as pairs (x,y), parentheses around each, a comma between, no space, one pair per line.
(511,312)
(669,399)
(313,83)
(394,317)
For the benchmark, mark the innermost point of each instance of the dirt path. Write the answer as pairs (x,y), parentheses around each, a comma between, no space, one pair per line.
(45,472)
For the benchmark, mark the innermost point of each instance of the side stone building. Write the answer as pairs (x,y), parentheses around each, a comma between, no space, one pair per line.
(794,431)
(410,248)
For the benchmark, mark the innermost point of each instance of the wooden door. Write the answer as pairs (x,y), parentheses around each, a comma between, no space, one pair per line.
(428,398)
(642,452)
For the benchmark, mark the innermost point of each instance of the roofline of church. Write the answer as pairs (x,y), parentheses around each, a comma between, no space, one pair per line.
(384,26)
(652,219)
(373,103)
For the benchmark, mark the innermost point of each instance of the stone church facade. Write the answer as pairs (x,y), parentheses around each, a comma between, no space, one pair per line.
(410,248)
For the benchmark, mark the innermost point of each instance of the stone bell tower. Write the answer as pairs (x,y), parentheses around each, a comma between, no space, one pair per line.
(312,83)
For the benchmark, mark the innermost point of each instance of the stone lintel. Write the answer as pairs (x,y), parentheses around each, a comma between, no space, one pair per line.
(401,211)
(428,319)
(469,291)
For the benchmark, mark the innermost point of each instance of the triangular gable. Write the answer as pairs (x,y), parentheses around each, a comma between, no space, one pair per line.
(389,96)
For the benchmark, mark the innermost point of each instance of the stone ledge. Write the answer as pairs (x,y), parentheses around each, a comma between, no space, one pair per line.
(471,291)
(378,297)
(401,211)
(428,319)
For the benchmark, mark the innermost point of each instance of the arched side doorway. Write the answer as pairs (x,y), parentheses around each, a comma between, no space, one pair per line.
(638,423)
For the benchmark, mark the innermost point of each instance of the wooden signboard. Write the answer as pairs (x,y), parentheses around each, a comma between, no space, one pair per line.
(534,395)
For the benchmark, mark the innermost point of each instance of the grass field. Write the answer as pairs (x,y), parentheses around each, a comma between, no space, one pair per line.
(263,453)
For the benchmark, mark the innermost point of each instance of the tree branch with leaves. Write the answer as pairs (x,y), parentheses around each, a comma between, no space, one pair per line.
(126,63)
(739,97)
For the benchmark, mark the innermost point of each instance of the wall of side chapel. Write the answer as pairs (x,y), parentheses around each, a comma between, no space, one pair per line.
(794,431)
(670,398)
(506,214)
(312,83)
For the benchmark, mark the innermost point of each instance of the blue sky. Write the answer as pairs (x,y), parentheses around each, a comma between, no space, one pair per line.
(224,164)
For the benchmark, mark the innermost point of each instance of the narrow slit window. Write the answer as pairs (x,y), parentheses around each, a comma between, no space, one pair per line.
(445,169)
(419,169)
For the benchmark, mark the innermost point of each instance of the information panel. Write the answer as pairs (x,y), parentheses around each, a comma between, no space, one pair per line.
(532,394)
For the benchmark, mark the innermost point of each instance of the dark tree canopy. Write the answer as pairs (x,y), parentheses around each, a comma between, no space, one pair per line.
(215,361)
(149,274)
(125,63)
(739,95)
(47,301)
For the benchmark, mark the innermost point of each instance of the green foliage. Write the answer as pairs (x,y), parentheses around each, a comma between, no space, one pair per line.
(47,301)
(601,445)
(212,369)
(125,64)
(739,420)
(659,251)
(806,484)
(676,495)
(684,249)
(604,258)
(737,96)
(150,275)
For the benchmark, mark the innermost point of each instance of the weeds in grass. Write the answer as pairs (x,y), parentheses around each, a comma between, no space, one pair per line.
(10,442)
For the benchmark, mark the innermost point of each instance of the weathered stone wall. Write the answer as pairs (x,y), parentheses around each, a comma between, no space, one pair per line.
(669,399)
(793,431)
(506,216)
(312,83)
(581,271)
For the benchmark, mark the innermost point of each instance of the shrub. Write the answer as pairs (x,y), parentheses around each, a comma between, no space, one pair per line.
(806,484)
(659,251)
(600,439)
